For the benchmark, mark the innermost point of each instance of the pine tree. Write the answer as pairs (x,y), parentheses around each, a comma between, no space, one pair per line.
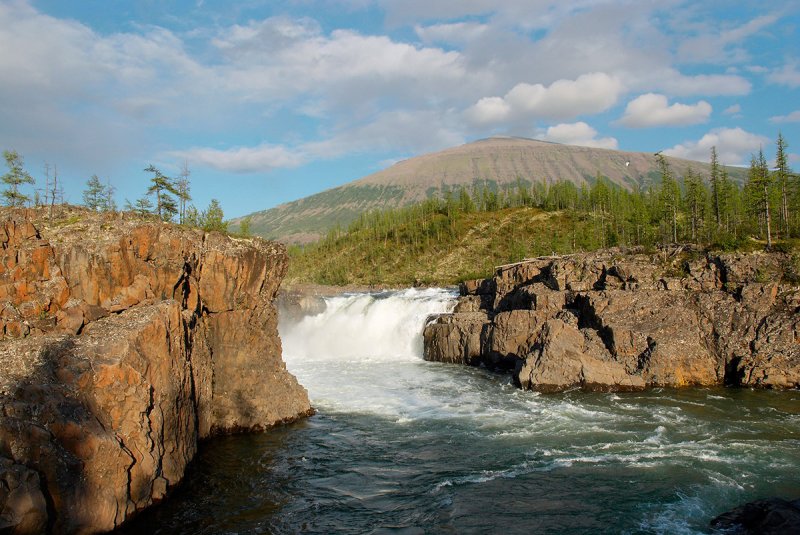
(15,177)
(716,187)
(669,196)
(782,174)
(142,206)
(694,200)
(212,218)
(758,191)
(164,188)
(94,196)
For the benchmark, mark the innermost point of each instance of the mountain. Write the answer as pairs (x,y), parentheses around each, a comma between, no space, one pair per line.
(495,162)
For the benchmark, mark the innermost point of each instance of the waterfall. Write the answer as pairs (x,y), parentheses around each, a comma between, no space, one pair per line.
(373,327)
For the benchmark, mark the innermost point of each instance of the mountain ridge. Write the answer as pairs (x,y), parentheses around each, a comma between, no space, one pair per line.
(494,162)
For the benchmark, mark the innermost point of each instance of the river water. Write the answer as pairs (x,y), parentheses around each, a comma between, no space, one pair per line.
(400,445)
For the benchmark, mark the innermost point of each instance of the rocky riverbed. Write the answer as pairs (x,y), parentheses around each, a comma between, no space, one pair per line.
(626,320)
(125,342)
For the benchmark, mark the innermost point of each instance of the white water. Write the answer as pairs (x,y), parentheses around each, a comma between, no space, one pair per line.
(364,352)
(689,454)
(400,445)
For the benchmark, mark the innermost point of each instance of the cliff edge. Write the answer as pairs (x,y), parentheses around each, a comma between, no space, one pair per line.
(627,320)
(124,343)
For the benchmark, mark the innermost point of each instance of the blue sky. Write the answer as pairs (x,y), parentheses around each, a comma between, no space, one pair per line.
(271,101)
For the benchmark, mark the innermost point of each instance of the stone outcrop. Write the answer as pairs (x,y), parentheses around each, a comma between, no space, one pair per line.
(772,516)
(125,342)
(627,320)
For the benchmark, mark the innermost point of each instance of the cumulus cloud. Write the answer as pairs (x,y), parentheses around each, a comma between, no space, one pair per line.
(578,133)
(793,117)
(563,99)
(734,146)
(654,110)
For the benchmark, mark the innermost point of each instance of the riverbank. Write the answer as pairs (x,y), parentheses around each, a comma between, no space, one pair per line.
(626,320)
(125,342)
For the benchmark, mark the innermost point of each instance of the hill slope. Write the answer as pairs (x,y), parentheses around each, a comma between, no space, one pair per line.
(494,162)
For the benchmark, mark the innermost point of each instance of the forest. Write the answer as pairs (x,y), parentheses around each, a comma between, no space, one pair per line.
(465,233)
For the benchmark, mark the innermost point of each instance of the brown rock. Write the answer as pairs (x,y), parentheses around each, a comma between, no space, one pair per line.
(170,337)
(456,338)
(681,317)
(24,509)
(567,358)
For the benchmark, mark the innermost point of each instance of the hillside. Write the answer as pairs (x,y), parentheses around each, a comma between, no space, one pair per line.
(494,162)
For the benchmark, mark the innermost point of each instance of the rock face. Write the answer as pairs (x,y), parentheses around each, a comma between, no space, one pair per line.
(124,343)
(625,320)
(773,516)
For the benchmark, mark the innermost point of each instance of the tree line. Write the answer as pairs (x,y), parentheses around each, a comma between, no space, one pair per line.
(167,198)
(710,210)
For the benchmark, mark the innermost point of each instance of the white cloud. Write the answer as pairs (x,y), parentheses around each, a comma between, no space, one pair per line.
(563,99)
(654,110)
(489,110)
(725,45)
(732,109)
(456,32)
(787,75)
(702,84)
(734,145)
(410,132)
(793,117)
(262,158)
(578,133)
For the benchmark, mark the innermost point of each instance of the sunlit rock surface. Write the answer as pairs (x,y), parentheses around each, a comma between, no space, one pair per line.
(621,320)
(124,343)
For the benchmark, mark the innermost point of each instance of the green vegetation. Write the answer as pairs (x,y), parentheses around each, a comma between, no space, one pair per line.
(15,177)
(210,219)
(98,196)
(464,234)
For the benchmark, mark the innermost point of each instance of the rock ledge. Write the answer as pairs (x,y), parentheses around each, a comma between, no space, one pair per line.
(623,320)
(125,342)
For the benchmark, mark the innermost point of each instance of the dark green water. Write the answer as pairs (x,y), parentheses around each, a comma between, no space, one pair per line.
(404,446)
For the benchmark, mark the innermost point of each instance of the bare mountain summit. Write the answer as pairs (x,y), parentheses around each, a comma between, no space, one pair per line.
(495,162)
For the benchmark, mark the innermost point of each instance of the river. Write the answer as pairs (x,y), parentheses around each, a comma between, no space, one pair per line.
(400,445)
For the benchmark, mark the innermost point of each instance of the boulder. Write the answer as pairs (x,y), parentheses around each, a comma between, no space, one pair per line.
(771,516)
(456,338)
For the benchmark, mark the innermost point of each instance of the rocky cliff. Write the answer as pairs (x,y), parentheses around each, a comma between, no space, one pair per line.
(616,321)
(124,343)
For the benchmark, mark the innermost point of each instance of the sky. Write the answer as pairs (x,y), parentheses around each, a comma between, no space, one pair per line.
(268,101)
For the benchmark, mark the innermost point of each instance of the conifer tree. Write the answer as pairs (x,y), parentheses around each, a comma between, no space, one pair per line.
(15,177)
(694,200)
(782,174)
(758,191)
(212,218)
(164,188)
(669,196)
(716,187)
(94,196)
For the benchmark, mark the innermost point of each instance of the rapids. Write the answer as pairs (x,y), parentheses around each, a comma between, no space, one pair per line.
(400,445)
